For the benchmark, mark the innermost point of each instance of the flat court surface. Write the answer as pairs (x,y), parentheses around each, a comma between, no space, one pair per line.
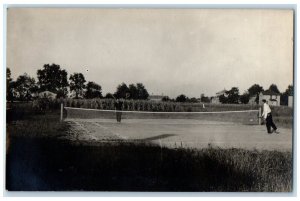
(176,133)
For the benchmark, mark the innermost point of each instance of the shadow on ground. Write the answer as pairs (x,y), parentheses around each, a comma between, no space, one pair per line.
(158,137)
(35,164)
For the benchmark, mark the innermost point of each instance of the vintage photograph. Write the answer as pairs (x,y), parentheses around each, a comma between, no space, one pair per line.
(149,99)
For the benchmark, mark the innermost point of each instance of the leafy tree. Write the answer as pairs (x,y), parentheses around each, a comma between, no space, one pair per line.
(93,90)
(9,86)
(273,88)
(62,93)
(181,98)
(133,91)
(244,98)
(142,91)
(109,95)
(53,78)
(290,90)
(122,91)
(255,90)
(233,95)
(193,100)
(8,75)
(204,99)
(223,99)
(11,92)
(77,85)
(165,99)
(25,87)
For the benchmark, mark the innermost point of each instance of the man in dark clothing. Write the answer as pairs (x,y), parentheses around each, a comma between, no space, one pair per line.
(118,107)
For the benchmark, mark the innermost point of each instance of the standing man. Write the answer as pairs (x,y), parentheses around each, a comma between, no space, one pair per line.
(268,117)
(118,107)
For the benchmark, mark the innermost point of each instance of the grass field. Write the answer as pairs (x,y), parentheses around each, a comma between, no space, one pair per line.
(39,159)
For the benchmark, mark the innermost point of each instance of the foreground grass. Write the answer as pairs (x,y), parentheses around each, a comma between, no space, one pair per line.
(38,160)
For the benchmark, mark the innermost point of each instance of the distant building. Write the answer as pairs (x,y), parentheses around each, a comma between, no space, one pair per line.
(215,99)
(290,101)
(156,97)
(47,94)
(273,98)
(220,93)
(73,95)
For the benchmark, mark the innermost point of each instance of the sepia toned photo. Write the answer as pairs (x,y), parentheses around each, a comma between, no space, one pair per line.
(149,100)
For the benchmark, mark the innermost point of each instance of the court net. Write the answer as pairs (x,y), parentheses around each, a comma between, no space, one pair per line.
(241,116)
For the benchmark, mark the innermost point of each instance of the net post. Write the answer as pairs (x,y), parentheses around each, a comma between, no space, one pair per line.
(61,111)
(259,116)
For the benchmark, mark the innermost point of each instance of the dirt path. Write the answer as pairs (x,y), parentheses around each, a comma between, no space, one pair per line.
(182,133)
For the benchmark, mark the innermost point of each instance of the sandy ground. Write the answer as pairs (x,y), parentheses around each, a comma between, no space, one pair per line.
(181,133)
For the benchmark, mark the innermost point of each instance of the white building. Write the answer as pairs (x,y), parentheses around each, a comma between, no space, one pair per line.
(47,94)
(215,99)
(273,98)
(72,94)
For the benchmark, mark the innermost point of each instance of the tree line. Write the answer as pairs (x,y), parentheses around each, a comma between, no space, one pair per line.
(55,79)
(233,96)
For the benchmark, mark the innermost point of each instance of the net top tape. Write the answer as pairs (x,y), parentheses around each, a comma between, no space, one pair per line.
(149,112)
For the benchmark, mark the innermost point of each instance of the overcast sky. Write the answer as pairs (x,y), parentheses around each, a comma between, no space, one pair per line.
(189,51)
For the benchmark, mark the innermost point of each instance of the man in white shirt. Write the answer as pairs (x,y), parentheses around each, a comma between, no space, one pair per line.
(268,117)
